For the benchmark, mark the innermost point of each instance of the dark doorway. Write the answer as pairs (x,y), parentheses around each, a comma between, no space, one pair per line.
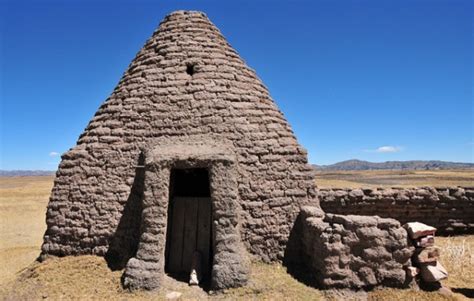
(193,182)
(189,223)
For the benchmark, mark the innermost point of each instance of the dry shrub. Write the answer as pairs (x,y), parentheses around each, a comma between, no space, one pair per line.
(457,256)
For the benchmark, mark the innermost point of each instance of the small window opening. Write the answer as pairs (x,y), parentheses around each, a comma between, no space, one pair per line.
(190,69)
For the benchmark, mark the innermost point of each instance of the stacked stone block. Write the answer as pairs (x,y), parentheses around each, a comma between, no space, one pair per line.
(354,251)
(426,257)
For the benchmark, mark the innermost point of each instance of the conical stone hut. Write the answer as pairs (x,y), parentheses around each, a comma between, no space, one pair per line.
(188,154)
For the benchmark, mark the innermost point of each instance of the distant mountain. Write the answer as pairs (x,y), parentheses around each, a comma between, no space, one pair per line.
(24,173)
(344,165)
(394,165)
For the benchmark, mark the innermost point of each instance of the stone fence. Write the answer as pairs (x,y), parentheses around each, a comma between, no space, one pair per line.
(351,251)
(450,209)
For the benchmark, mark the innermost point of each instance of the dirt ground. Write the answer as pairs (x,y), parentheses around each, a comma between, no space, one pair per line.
(23,203)
(394,178)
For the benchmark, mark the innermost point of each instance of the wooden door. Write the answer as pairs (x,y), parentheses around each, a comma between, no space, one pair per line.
(190,231)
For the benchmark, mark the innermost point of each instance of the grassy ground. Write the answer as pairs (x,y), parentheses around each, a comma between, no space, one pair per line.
(391,178)
(22,212)
(89,278)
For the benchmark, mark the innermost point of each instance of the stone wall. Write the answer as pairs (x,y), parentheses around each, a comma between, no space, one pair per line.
(451,210)
(354,251)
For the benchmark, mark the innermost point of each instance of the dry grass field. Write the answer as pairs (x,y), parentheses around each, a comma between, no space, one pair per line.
(394,178)
(23,202)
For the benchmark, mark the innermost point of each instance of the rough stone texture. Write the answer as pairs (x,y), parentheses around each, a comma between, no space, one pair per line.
(186,83)
(355,251)
(449,209)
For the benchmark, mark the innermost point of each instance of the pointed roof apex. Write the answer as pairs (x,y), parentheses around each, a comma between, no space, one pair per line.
(186,13)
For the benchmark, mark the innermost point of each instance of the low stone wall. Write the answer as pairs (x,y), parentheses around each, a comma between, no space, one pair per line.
(451,209)
(354,251)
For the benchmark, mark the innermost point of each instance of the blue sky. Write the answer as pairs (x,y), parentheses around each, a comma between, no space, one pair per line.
(374,80)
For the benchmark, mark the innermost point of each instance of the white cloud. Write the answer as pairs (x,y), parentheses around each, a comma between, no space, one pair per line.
(53,154)
(388,149)
(385,149)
